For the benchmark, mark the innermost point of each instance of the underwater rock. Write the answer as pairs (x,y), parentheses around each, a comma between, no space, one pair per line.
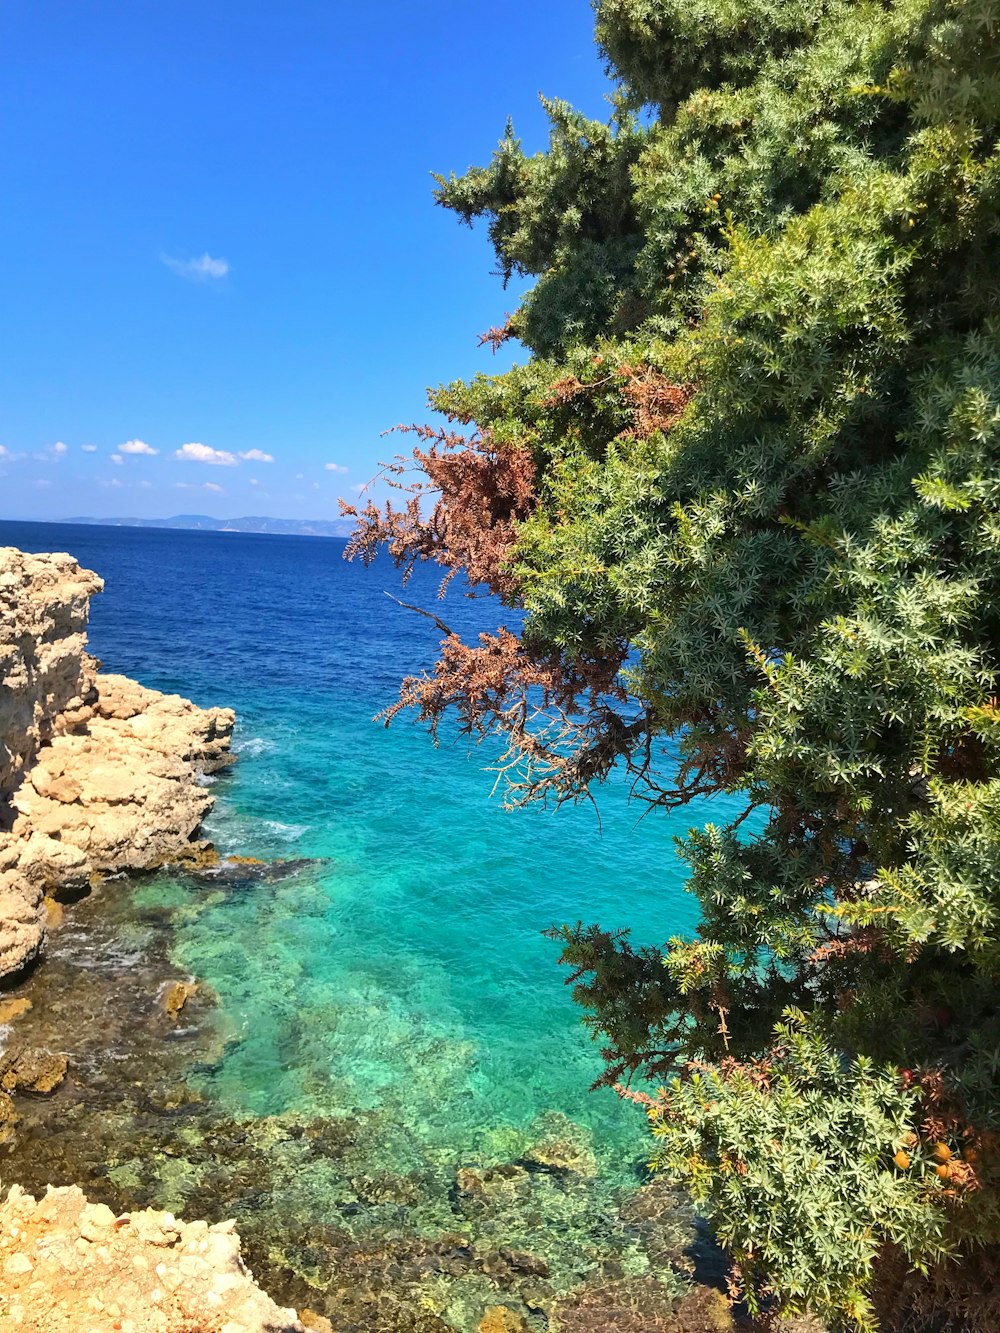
(54,912)
(8,1118)
(68,1264)
(176,996)
(642,1305)
(522,1262)
(238,871)
(386,1188)
(501,1319)
(564,1147)
(494,1186)
(30,1069)
(13,1008)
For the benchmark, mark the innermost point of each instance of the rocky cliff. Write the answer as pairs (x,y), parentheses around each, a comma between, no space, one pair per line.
(97,774)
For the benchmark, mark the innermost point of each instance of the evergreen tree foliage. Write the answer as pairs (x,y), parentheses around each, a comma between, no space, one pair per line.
(746,488)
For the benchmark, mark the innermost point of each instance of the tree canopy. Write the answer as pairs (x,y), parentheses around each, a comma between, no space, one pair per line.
(745,488)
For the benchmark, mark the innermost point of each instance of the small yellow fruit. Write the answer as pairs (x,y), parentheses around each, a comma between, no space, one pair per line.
(943,1171)
(941,1152)
(902,1160)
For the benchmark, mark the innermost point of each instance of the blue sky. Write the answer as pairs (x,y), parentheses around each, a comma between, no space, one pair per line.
(218,238)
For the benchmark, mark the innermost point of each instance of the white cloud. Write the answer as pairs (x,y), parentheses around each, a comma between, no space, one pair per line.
(198,269)
(59,448)
(257,456)
(254,481)
(42,482)
(117,458)
(89,448)
(3,452)
(211,486)
(334,467)
(138,447)
(196,486)
(112,481)
(203,453)
(146,485)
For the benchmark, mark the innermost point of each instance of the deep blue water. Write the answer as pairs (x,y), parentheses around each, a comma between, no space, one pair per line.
(408,970)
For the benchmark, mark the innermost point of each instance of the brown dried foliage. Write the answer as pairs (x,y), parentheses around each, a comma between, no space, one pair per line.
(564,390)
(657,403)
(482,491)
(557,715)
(496,336)
(561,732)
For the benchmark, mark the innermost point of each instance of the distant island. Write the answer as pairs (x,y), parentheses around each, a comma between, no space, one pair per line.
(287,527)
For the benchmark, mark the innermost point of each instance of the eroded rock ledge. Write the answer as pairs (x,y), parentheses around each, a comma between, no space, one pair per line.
(98,774)
(67,1265)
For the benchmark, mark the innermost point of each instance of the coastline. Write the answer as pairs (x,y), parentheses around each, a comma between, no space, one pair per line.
(525,1229)
(99,777)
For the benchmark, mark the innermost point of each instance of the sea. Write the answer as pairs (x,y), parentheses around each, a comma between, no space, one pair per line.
(407,967)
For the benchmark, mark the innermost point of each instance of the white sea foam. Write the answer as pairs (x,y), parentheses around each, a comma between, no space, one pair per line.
(285,832)
(253,746)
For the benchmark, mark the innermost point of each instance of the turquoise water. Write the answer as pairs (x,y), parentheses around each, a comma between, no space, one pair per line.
(403,969)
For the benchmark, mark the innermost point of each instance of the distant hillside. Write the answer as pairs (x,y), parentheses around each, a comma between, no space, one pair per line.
(288,527)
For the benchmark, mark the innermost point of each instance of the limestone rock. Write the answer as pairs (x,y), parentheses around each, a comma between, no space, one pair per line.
(97,773)
(69,1265)
(44,601)
(316,1323)
(501,1319)
(8,1117)
(13,1008)
(176,995)
(31,1069)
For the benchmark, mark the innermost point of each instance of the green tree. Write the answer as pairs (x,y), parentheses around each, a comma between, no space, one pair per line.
(746,489)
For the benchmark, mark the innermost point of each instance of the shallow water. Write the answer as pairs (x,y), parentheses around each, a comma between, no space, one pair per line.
(403,972)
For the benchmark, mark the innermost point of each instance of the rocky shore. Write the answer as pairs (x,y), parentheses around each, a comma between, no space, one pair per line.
(98,775)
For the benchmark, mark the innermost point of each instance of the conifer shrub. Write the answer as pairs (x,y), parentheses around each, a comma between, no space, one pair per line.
(744,487)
